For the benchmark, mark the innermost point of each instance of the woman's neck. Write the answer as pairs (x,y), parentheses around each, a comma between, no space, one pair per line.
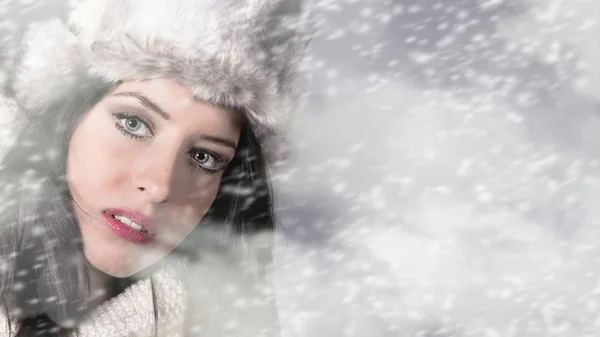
(102,286)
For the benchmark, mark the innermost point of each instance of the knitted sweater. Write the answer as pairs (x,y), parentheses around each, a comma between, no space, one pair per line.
(131,313)
(222,299)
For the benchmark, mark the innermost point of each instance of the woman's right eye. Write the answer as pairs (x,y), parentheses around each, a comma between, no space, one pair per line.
(133,126)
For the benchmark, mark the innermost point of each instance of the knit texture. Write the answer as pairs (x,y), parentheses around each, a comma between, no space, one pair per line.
(131,313)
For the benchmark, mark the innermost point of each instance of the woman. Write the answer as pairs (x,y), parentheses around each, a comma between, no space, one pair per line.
(144,140)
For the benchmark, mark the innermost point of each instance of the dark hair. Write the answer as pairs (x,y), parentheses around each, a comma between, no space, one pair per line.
(39,230)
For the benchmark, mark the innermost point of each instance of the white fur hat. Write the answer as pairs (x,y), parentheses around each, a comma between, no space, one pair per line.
(248,54)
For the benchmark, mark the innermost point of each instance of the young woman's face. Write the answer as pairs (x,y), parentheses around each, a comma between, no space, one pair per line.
(150,154)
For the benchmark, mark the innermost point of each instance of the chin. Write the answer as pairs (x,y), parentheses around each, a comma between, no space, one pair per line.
(119,274)
(111,270)
(119,269)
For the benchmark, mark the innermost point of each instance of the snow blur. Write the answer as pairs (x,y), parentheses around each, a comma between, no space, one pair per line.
(443,179)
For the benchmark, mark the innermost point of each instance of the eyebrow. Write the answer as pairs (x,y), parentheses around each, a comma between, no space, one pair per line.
(219,140)
(148,103)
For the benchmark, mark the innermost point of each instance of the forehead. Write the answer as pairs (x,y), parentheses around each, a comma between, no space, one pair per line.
(174,97)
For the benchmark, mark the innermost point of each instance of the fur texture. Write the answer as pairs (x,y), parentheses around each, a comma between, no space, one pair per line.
(246,54)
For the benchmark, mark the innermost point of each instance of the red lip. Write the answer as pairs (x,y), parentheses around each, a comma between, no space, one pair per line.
(127,232)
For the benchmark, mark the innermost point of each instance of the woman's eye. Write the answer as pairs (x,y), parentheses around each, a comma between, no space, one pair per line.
(206,161)
(133,126)
(202,157)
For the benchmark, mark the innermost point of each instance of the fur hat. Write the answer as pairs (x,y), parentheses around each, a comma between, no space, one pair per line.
(246,54)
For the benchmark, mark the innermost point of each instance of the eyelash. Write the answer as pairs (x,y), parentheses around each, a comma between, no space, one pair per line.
(195,165)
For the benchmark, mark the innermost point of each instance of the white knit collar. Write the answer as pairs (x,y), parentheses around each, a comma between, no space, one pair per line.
(131,313)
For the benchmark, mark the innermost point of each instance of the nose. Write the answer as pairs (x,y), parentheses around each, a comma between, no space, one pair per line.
(154,177)
(155,194)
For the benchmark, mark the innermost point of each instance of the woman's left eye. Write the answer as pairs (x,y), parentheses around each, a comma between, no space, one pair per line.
(133,126)
(206,161)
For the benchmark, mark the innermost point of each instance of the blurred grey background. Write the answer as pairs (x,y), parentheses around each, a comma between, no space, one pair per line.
(444,176)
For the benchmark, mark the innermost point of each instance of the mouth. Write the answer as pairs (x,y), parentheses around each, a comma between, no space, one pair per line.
(130,225)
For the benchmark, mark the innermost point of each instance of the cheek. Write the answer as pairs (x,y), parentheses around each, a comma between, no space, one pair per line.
(93,163)
(79,168)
